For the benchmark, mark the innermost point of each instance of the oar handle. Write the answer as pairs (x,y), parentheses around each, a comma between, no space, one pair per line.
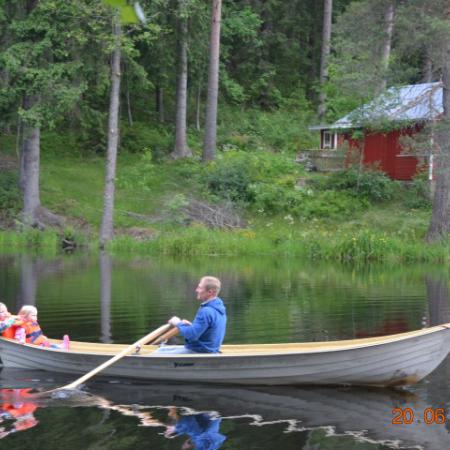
(144,340)
(166,336)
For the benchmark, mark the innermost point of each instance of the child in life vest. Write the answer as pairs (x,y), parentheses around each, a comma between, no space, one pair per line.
(7,322)
(30,332)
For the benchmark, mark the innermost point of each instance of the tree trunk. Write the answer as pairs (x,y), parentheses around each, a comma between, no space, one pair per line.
(181,149)
(209,143)
(427,76)
(29,166)
(106,230)
(130,115)
(326,39)
(439,227)
(198,103)
(389,18)
(160,103)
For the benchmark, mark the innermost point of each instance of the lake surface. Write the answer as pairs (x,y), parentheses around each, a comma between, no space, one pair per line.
(112,299)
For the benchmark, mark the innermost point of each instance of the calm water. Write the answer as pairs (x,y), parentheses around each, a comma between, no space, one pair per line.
(268,300)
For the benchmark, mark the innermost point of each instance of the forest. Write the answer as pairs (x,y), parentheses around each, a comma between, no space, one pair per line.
(173,125)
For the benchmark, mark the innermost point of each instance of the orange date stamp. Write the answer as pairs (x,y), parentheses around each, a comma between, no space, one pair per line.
(429,416)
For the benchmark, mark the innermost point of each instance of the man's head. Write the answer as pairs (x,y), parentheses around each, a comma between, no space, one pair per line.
(208,288)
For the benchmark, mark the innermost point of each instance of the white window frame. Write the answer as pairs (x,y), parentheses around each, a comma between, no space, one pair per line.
(329,140)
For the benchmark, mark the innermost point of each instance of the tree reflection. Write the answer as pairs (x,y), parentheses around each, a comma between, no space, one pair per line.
(105,296)
(438,306)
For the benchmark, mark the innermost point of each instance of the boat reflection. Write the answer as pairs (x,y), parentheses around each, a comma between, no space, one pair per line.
(195,413)
(365,415)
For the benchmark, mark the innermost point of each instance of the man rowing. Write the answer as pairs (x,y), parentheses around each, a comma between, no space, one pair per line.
(207,331)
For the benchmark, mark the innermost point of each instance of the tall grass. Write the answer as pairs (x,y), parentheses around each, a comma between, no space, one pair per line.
(363,246)
(47,242)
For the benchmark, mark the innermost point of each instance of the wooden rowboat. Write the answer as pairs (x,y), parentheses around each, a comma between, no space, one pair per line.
(393,360)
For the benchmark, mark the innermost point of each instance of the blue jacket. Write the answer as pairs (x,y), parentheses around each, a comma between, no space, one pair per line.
(207,331)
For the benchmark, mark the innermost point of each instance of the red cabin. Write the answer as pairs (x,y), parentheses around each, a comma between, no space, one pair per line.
(407,108)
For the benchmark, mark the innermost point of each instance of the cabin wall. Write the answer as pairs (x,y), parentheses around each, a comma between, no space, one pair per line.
(385,151)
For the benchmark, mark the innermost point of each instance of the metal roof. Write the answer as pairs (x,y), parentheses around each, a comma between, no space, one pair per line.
(415,102)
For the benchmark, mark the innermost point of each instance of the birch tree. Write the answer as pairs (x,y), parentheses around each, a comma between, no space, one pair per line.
(106,229)
(123,13)
(210,139)
(181,149)
(389,17)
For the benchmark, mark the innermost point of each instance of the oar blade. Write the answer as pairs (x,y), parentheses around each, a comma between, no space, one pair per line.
(144,340)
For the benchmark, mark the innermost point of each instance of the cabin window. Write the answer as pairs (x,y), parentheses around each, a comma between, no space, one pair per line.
(329,139)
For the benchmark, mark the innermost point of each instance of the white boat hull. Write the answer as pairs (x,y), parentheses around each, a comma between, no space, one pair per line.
(388,361)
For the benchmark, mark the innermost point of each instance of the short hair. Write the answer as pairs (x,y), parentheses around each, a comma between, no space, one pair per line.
(26,310)
(211,284)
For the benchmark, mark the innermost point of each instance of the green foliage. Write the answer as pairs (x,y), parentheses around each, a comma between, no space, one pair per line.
(418,192)
(314,243)
(47,242)
(371,184)
(283,130)
(140,137)
(234,173)
(305,204)
(54,144)
(140,175)
(10,198)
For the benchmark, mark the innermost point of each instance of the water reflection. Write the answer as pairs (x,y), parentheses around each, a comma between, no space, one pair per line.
(109,299)
(16,411)
(203,430)
(203,417)
(105,296)
(28,281)
(438,304)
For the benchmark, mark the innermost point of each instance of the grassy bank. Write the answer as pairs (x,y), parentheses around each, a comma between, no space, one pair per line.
(285,211)
(360,246)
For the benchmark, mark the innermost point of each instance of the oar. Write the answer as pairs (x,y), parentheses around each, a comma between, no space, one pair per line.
(146,339)
(166,336)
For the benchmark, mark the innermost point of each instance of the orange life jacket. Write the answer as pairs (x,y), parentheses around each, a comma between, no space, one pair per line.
(34,334)
(18,410)
(10,332)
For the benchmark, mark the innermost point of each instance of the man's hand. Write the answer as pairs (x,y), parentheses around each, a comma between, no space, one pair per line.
(170,430)
(186,322)
(174,321)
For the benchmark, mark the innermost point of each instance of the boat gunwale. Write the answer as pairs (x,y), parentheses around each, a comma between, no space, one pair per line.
(260,350)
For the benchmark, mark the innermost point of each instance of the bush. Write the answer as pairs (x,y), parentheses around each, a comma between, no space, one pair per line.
(371,184)
(231,179)
(10,198)
(274,198)
(281,130)
(139,137)
(139,175)
(234,175)
(419,195)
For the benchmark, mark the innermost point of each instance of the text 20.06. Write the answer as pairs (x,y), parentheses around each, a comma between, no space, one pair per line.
(407,416)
